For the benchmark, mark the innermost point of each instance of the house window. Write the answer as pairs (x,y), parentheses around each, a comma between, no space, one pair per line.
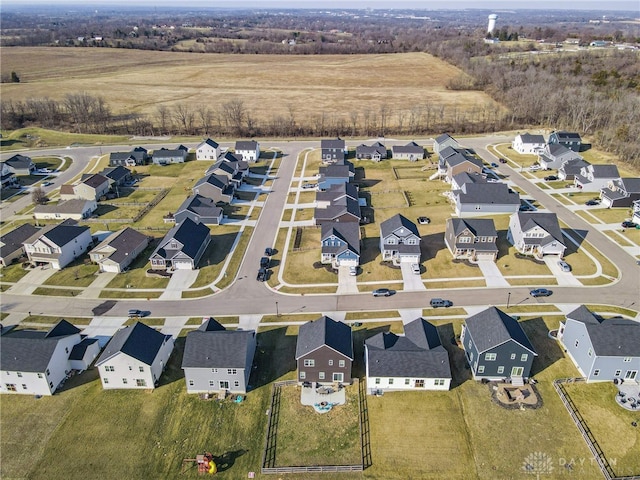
(524,357)
(10,387)
(618,372)
(331,363)
(24,386)
(481,369)
(303,375)
(411,241)
(236,383)
(309,362)
(464,239)
(105,380)
(49,373)
(321,375)
(377,381)
(500,369)
(490,357)
(513,356)
(627,359)
(19,374)
(191,383)
(577,343)
(130,368)
(391,241)
(407,381)
(212,383)
(419,383)
(391,381)
(232,371)
(39,375)
(341,363)
(590,352)
(141,369)
(439,381)
(596,372)
(107,368)
(214,370)
(66,350)
(125,381)
(141,382)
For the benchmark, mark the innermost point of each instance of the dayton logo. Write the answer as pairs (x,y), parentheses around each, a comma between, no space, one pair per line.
(537,463)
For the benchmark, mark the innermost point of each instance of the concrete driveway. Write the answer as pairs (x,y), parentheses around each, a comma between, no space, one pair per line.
(32,280)
(346,283)
(563,278)
(103,328)
(492,274)
(412,282)
(180,280)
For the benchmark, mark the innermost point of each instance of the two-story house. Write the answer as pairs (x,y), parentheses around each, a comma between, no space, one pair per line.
(335,174)
(216,187)
(601,349)
(20,165)
(208,150)
(58,245)
(569,169)
(199,209)
(340,244)
(399,240)
(571,140)
(338,204)
(526,143)
(443,141)
(218,360)
(554,155)
(8,179)
(472,238)
(134,358)
(594,178)
(496,347)
(621,192)
(453,162)
(332,150)
(536,233)
(248,150)
(93,187)
(324,352)
(182,247)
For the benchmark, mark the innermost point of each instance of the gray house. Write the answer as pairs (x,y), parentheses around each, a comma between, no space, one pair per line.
(571,140)
(338,204)
(621,192)
(443,141)
(335,174)
(536,233)
(480,199)
(554,155)
(594,178)
(20,164)
(332,150)
(415,361)
(601,349)
(473,238)
(137,156)
(216,187)
(340,244)
(182,247)
(399,240)
(324,352)
(571,168)
(11,248)
(166,156)
(199,209)
(116,252)
(496,346)
(375,152)
(411,151)
(218,360)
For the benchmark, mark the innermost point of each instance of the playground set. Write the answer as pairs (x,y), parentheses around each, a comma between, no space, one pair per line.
(205,463)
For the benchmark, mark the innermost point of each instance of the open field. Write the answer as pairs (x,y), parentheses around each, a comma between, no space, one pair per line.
(140,81)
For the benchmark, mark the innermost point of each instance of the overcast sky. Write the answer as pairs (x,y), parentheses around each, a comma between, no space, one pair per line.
(628,5)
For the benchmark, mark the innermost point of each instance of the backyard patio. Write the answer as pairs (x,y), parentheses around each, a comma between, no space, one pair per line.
(322,398)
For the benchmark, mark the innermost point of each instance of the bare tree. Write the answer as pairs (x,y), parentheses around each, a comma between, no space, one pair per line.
(205,115)
(163,116)
(38,196)
(184,117)
(235,115)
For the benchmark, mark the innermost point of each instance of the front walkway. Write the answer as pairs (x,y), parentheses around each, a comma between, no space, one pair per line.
(492,274)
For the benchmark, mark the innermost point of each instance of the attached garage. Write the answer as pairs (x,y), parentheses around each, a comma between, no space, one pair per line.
(183,265)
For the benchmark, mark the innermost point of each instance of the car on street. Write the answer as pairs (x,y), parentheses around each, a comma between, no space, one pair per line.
(494,165)
(502,160)
(424,220)
(135,313)
(549,178)
(269,251)
(262,275)
(628,224)
(415,268)
(534,167)
(592,202)
(440,302)
(564,266)
(382,292)
(540,292)
(46,184)
(353,270)
(264,262)
(308,185)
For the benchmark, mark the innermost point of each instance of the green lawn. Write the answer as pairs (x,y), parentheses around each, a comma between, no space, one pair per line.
(57,292)
(12,273)
(53,320)
(238,255)
(136,276)
(222,238)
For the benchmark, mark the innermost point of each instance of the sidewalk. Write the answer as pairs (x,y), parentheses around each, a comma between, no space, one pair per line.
(93,290)
(32,280)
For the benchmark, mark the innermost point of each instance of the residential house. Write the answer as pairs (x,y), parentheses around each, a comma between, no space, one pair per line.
(20,165)
(480,199)
(443,141)
(324,352)
(536,233)
(137,156)
(84,353)
(399,240)
(216,187)
(571,140)
(166,156)
(601,349)
(411,151)
(460,179)
(375,152)
(594,178)
(635,207)
(453,162)
(218,360)
(116,252)
(526,143)
(35,362)
(199,209)
(208,150)
(58,245)
(338,204)
(335,174)
(340,244)
(11,248)
(241,165)
(471,238)
(182,247)
(93,187)
(8,179)
(415,361)
(621,192)
(118,176)
(496,347)
(228,168)
(249,150)
(332,150)
(134,358)
(75,209)
(571,168)
(555,155)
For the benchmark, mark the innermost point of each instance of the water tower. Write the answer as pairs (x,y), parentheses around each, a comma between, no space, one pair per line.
(492,22)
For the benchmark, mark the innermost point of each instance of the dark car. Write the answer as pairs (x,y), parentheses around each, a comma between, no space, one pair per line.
(382,292)
(424,220)
(526,207)
(494,165)
(262,275)
(439,302)
(592,202)
(549,178)
(269,251)
(627,224)
(135,313)
(502,160)
(264,262)
(540,292)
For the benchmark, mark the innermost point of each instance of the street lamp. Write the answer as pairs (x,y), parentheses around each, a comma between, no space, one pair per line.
(277,312)
(508,298)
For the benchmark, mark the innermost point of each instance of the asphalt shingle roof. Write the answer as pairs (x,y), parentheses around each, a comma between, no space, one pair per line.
(396,222)
(190,234)
(12,241)
(217,348)
(546,220)
(493,327)
(324,331)
(349,232)
(64,233)
(138,341)
(78,350)
(487,193)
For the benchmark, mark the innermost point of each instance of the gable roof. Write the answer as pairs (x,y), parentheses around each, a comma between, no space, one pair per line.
(209,142)
(217,348)
(201,206)
(493,327)
(333,143)
(530,138)
(19,161)
(124,242)
(411,147)
(614,337)
(348,232)
(138,341)
(246,145)
(12,241)
(469,177)
(457,158)
(96,180)
(487,193)
(74,205)
(62,329)
(444,137)
(564,136)
(479,227)
(396,222)
(418,354)
(324,331)
(548,221)
(116,173)
(336,191)
(190,234)
(60,234)
(79,349)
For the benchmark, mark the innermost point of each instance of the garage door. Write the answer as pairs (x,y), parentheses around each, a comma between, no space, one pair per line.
(410,259)
(348,262)
(110,268)
(484,256)
(182,265)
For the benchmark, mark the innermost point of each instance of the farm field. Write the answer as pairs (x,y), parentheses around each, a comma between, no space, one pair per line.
(140,81)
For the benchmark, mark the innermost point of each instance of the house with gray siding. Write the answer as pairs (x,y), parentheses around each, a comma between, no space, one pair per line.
(137,156)
(443,141)
(554,155)
(375,152)
(413,361)
(324,352)
(11,243)
(571,140)
(335,174)
(601,349)
(165,156)
(571,168)
(400,240)
(536,233)
(594,178)
(621,192)
(218,360)
(332,150)
(216,187)
(199,209)
(471,238)
(481,199)
(340,244)
(116,252)
(411,151)
(496,347)
(182,247)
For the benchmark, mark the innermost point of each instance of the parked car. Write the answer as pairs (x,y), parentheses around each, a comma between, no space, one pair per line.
(540,292)
(269,251)
(46,184)
(135,313)
(549,178)
(440,302)
(534,167)
(527,207)
(628,224)
(415,268)
(424,220)
(564,266)
(594,201)
(309,185)
(494,165)
(264,262)
(262,275)
(353,271)
(502,160)
(382,292)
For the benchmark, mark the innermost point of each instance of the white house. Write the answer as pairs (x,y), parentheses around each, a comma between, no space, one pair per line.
(76,209)
(36,362)
(248,149)
(134,358)
(208,150)
(536,233)
(526,143)
(58,245)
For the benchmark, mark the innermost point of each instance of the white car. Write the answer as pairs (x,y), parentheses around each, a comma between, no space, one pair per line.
(415,268)
(535,167)
(353,271)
